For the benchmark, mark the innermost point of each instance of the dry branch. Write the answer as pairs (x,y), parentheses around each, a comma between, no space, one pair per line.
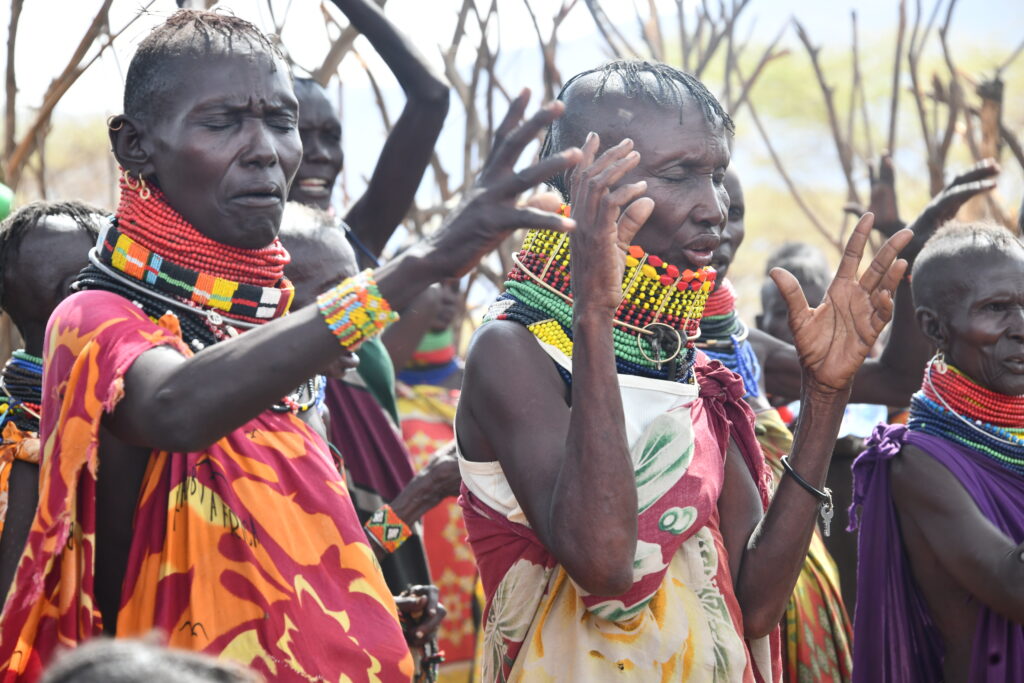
(897,60)
(10,115)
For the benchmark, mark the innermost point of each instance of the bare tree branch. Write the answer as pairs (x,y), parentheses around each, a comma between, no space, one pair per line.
(897,60)
(10,113)
(842,145)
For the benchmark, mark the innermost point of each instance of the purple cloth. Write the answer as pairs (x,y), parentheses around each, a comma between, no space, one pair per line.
(895,640)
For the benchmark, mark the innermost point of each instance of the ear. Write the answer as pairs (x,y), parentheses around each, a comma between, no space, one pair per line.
(933,326)
(128,143)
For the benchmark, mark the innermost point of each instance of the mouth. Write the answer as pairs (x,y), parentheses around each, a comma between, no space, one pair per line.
(315,187)
(701,250)
(260,196)
(1015,364)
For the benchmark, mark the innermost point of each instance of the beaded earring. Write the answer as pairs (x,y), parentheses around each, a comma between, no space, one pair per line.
(938,362)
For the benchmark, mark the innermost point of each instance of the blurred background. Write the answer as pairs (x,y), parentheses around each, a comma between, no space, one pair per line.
(817,90)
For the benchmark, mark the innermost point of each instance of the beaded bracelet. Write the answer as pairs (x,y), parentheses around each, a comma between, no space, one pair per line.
(387,529)
(355,311)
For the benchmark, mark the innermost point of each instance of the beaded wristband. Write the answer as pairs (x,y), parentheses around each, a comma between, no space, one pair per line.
(387,528)
(355,311)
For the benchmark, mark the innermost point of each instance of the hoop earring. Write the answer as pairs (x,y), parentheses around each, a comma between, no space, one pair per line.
(130,182)
(120,124)
(938,362)
(144,191)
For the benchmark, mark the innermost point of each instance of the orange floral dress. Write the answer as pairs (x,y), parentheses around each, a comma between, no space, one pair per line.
(249,550)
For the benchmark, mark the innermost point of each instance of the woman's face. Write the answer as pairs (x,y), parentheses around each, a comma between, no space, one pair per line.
(227,147)
(735,230)
(985,327)
(322,158)
(683,158)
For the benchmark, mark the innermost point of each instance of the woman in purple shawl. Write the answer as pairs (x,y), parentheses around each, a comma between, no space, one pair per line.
(940,579)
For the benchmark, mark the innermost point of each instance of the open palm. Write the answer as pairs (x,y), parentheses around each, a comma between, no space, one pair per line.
(834,338)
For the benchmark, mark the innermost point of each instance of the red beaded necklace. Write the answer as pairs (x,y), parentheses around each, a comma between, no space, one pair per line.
(722,300)
(972,400)
(154,224)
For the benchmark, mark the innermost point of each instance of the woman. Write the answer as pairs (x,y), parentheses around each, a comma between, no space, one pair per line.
(629,531)
(181,488)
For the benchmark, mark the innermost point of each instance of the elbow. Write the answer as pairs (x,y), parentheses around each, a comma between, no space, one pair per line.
(604,573)
(435,97)
(760,621)
(175,425)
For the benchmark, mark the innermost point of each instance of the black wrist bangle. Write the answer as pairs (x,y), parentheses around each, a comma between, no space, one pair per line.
(823,496)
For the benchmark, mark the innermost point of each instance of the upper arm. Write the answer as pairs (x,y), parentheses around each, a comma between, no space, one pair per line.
(876,382)
(513,410)
(137,417)
(978,556)
(739,507)
(397,175)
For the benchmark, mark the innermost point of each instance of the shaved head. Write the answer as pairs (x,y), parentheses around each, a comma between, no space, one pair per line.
(941,276)
(603,100)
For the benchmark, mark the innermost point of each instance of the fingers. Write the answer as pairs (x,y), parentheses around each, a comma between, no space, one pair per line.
(545,201)
(880,265)
(952,198)
(792,294)
(886,172)
(511,147)
(986,168)
(855,247)
(512,117)
(523,180)
(589,150)
(591,170)
(512,218)
(634,217)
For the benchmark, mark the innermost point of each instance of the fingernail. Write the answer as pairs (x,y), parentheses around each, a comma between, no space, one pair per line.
(590,136)
(626,141)
(432,612)
(419,634)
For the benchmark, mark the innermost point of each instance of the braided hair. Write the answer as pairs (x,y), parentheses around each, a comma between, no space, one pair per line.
(654,82)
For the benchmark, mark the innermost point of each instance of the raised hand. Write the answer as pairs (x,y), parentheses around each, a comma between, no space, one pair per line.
(489,211)
(883,198)
(833,339)
(607,221)
(944,206)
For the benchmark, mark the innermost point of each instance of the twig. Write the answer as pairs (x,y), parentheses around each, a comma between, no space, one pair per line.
(842,146)
(10,113)
(748,84)
(377,94)
(897,60)
(858,92)
(1010,60)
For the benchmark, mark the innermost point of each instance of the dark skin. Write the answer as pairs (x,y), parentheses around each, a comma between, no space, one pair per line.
(569,467)
(36,279)
(891,378)
(982,333)
(432,311)
(233,124)
(375,215)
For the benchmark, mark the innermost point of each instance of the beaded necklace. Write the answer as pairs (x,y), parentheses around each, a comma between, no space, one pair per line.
(956,408)
(724,338)
(150,255)
(654,325)
(21,384)
(434,360)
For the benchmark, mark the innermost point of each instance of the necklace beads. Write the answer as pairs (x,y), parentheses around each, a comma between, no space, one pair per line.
(952,406)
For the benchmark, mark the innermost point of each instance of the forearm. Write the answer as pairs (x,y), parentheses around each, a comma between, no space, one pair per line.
(594,502)
(409,67)
(903,359)
(777,549)
(404,337)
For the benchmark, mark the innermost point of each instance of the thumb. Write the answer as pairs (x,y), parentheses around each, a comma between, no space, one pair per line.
(545,201)
(792,294)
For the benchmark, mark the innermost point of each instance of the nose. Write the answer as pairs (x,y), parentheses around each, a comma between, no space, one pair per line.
(259,149)
(711,206)
(1015,328)
(314,150)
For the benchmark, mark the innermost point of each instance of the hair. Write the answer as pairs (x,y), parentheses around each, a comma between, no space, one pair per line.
(935,283)
(187,34)
(106,660)
(807,263)
(14,228)
(654,82)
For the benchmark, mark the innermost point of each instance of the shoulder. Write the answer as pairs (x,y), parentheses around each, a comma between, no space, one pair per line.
(505,355)
(92,307)
(920,482)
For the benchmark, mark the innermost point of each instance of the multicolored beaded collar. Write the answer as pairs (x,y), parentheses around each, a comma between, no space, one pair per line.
(21,384)
(656,321)
(434,360)
(724,338)
(151,242)
(953,406)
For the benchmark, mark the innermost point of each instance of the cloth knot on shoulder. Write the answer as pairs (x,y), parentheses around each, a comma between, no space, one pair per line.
(717,381)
